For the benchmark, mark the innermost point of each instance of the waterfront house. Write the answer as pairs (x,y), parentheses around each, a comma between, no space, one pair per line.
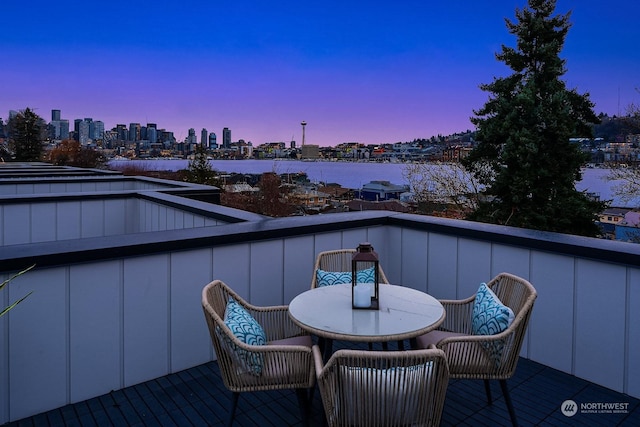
(381,190)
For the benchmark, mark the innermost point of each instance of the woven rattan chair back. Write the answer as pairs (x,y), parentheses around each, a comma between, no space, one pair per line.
(383,388)
(338,260)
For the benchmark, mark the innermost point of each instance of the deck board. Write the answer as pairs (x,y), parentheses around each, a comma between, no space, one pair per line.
(197,397)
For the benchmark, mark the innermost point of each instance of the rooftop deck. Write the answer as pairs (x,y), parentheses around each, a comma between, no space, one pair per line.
(197,397)
(140,344)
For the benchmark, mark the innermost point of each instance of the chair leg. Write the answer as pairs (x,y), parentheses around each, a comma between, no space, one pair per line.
(487,388)
(303,401)
(507,399)
(232,410)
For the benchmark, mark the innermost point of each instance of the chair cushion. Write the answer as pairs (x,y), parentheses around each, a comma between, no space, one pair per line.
(490,317)
(328,278)
(304,340)
(248,331)
(434,337)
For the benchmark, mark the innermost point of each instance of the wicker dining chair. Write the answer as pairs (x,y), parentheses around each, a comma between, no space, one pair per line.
(485,357)
(383,388)
(285,362)
(338,261)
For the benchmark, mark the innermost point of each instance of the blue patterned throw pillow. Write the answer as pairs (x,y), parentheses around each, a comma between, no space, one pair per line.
(490,317)
(328,278)
(247,330)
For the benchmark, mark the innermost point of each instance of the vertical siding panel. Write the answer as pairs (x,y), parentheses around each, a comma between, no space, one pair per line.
(179,219)
(352,238)
(442,266)
(190,341)
(379,237)
(154,217)
(92,212)
(266,273)
(162,218)
(94,305)
(115,217)
(25,189)
(551,325)
(510,259)
(146,318)
(474,266)
(132,215)
(17,224)
(43,222)
(188,220)
(198,221)
(4,353)
(231,265)
(57,187)
(69,220)
(298,266)
(87,186)
(38,343)
(327,242)
(41,188)
(600,323)
(633,332)
(171,219)
(210,222)
(413,256)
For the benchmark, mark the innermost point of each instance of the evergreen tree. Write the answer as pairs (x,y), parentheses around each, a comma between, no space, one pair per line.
(524,131)
(26,136)
(200,170)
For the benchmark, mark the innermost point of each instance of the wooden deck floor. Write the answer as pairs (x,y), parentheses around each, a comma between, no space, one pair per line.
(197,397)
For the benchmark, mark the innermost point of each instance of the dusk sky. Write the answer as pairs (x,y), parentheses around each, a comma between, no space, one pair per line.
(365,71)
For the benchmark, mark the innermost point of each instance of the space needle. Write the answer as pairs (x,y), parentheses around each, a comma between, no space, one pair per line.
(303,123)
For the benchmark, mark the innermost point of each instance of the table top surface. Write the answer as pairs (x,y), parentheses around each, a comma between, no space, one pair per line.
(404,313)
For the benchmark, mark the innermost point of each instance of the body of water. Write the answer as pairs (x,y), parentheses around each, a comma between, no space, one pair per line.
(354,174)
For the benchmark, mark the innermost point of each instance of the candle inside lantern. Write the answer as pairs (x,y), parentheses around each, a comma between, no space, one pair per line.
(362,295)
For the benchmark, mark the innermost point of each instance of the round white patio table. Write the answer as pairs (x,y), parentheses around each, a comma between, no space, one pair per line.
(404,313)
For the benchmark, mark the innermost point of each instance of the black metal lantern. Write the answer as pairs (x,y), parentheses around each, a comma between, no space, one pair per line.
(365,278)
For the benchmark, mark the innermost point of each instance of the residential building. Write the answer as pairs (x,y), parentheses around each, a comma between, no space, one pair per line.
(381,190)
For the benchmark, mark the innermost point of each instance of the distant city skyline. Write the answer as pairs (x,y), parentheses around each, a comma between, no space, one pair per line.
(382,73)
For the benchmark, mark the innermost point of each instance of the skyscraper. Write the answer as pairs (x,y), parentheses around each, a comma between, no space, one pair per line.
(226,138)
(83,132)
(58,128)
(204,137)
(213,141)
(123,133)
(192,138)
(134,131)
(98,130)
(76,129)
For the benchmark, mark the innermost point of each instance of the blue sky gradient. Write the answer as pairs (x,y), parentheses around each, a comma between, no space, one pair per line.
(371,72)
